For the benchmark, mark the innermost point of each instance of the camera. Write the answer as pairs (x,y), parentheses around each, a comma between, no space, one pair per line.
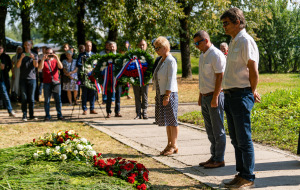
(50,55)
(27,54)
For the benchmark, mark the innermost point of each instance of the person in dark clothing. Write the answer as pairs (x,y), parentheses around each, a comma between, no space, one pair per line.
(28,63)
(3,90)
(5,59)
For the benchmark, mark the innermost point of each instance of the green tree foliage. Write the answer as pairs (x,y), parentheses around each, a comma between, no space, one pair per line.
(279,38)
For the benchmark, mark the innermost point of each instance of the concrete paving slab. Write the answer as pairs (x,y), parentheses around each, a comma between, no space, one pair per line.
(275,169)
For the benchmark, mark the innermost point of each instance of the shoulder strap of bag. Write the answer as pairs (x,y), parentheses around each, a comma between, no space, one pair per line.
(50,69)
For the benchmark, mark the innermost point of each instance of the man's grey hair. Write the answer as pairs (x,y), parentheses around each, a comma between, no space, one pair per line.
(224,44)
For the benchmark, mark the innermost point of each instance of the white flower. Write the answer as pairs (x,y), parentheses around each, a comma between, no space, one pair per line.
(95,62)
(79,147)
(131,79)
(89,147)
(68,141)
(75,140)
(35,155)
(63,157)
(48,151)
(83,140)
(71,132)
(91,153)
(63,145)
(59,133)
(69,149)
(81,153)
(57,148)
(75,152)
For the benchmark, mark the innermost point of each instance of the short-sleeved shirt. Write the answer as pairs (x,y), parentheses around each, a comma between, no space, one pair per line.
(27,70)
(241,49)
(211,62)
(46,71)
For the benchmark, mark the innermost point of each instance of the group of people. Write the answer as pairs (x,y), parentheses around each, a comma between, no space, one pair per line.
(28,67)
(227,82)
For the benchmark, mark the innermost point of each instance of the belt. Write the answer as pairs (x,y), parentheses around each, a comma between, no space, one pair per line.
(209,94)
(232,90)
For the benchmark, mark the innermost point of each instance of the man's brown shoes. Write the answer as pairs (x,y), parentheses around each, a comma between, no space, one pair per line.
(93,112)
(207,162)
(239,182)
(214,164)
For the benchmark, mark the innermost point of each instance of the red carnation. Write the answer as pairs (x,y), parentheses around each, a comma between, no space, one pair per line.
(111,162)
(61,140)
(66,132)
(99,154)
(66,136)
(110,173)
(119,158)
(145,176)
(33,140)
(139,167)
(131,180)
(142,187)
(101,163)
(96,163)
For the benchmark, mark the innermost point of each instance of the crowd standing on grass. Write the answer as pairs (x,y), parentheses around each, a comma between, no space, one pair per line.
(227,82)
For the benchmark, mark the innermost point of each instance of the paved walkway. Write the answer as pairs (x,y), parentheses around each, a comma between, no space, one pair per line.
(274,169)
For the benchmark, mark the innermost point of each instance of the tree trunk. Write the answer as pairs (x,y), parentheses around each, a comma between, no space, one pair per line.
(112,33)
(3,12)
(25,16)
(184,34)
(80,22)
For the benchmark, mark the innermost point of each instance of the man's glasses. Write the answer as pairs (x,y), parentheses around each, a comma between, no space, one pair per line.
(197,43)
(226,23)
(157,48)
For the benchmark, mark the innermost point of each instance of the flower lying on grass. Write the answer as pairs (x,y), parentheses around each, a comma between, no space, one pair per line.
(72,147)
(129,170)
(56,138)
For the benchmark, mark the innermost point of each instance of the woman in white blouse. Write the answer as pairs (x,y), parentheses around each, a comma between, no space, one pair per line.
(166,100)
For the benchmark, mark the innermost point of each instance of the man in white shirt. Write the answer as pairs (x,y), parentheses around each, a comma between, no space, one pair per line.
(239,84)
(211,98)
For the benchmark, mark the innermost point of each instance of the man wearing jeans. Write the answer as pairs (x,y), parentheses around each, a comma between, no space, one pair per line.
(3,91)
(50,64)
(211,98)
(239,84)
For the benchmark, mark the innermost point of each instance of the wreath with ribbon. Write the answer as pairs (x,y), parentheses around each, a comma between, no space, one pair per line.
(104,70)
(136,68)
(87,72)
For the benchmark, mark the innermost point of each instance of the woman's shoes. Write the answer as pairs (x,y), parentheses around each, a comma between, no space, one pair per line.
(165,150)
(169,150)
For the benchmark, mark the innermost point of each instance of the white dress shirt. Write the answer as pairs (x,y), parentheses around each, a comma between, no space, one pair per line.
(241,49)
(211,62)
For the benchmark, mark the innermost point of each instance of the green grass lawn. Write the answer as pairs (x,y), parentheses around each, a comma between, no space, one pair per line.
(18,170)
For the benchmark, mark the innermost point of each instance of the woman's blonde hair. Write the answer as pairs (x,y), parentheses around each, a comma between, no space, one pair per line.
(162,41)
